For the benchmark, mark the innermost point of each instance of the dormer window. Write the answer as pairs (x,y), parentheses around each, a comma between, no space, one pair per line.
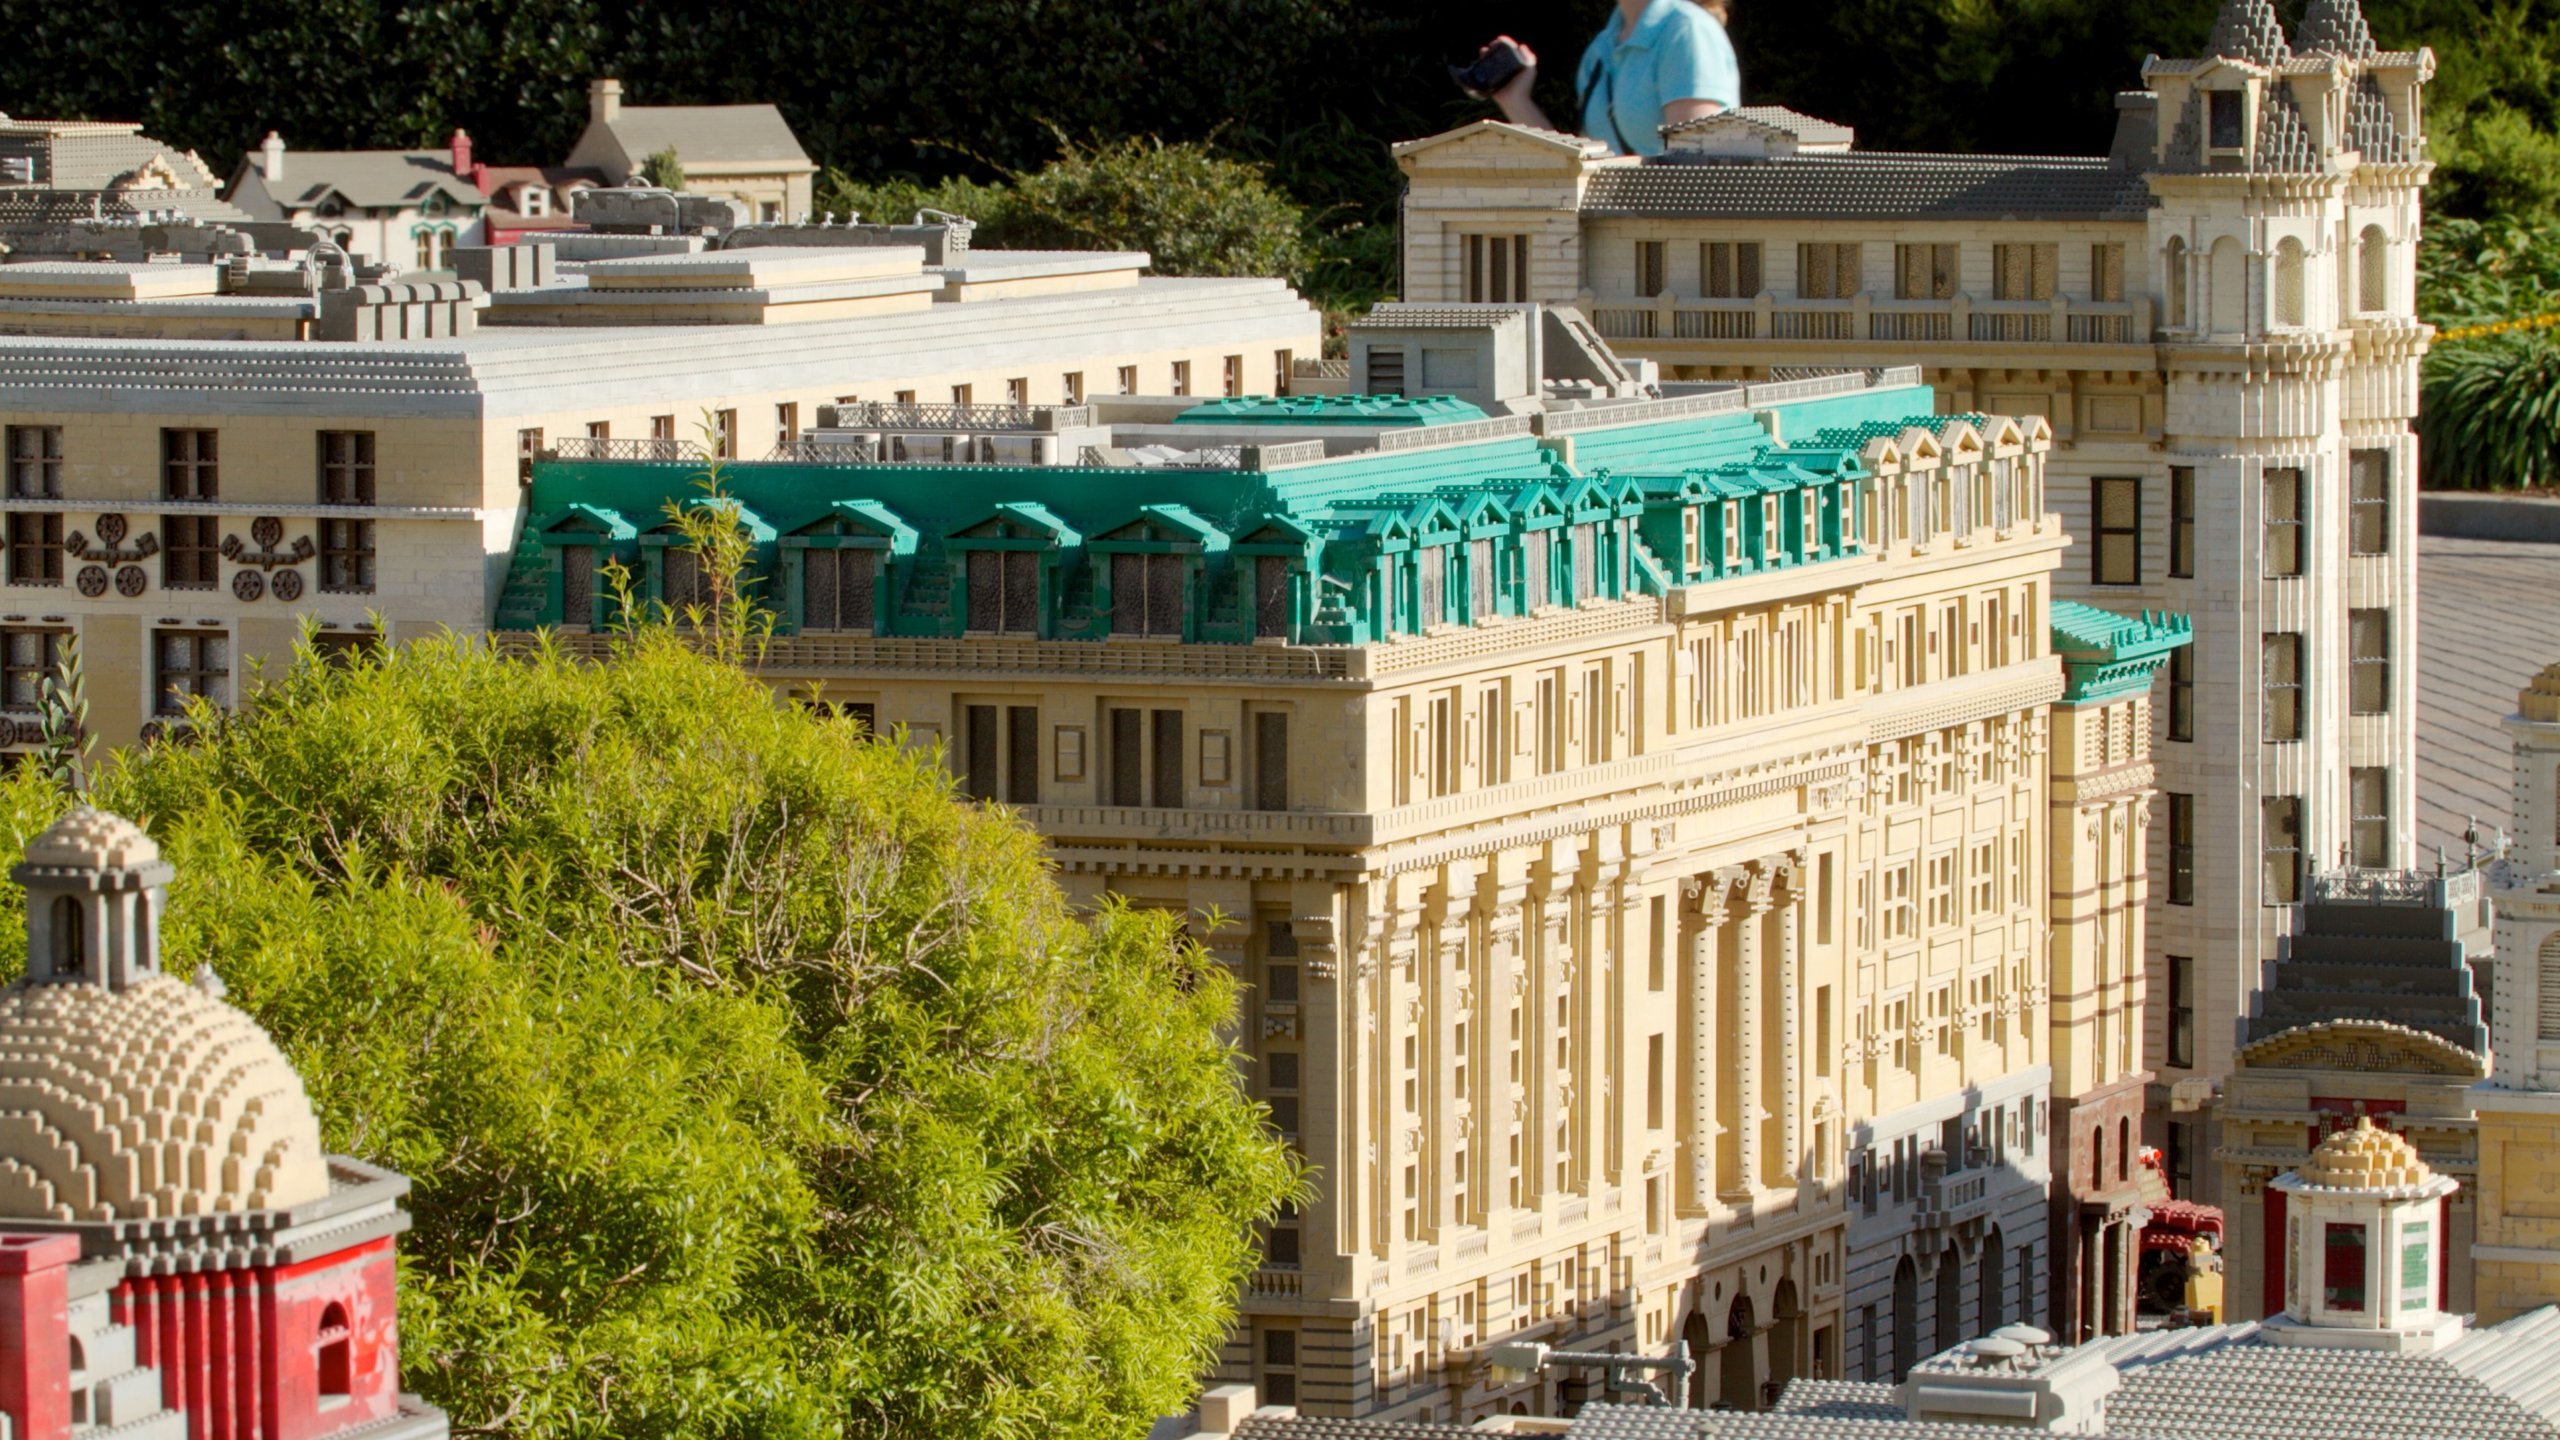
(2227,116)
(534,201)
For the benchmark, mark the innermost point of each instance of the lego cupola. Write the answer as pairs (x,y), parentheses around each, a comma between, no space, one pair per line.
(126,1094)
(2364,1247)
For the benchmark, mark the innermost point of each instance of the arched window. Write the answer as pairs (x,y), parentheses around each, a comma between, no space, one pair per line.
(2098,1158)
(1992,1270)
(2174,271)
(2124,1148)
(2289,298)
(426,238)
(1951,1298)
(2228,288)
(2373,270)
(143,935)
(2547,990)
(70,937)
(1906,1319)
(337,1367)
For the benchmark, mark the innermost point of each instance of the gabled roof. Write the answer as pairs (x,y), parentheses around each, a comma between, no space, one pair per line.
(705,135)
(1554,140)
(871,516)
(1180,519)
(1027,513)
(1777,119)
(1870,186)
(374,179)
(586,519)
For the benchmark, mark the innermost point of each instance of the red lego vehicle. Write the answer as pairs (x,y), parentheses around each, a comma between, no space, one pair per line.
(2169,1238)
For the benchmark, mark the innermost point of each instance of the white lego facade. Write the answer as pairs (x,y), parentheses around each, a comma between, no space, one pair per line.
(2219,321)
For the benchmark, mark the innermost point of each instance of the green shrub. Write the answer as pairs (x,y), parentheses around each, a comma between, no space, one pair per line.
(751,1084)
(2489,414)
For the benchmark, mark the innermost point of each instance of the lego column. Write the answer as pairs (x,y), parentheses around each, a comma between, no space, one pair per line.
(35,1334)
(1705,943)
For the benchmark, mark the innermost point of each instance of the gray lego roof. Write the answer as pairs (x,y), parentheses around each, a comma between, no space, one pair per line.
(1811,129)
(375,179)
(1398,315)
(1309,1427)
(2334,27)
(2239,1386)
(708,134)
(1647,1422)
(2248,30)
(1875,185)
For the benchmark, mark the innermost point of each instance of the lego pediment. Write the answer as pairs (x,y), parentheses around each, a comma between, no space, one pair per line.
(2368,1045)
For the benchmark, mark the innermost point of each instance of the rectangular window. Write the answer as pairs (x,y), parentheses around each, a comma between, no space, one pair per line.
(1071,387)
(1128,777)
(1149,594)
(661,427)
(1729,269)
(190,465)
(2282,847)
(1233,380)
(1271,760)
(1017,392)
(1924,272)
(979,743)
(1128,379)
(2369,793)
(1497,269)
(529,449)
(2182,522)
(1004,592)
(964,394)
(1942,890)
(2284,522)
(2280,658)
(2106,273)
(2024,271)
(2369,647)
(26,658)
(1271,597)
(2226,119)
(2182,693)
(2342,1267)
(1827,272)
(2182,849)
(35,462)
(190,552)
(188,663)
(2182,1012)
(1283,370)
(724,434)
(786,424)
(836,589)
(346,467)
(1652,267)
(1653,1067)
(1164,778)
(1181,377)
(2115,505)
(2369,502)
(1022,755)
(35,549)
(346,556)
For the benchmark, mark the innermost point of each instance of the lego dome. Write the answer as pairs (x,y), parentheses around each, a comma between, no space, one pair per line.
(146,1102)
(2365,1159)
(2540,698)
(94,840)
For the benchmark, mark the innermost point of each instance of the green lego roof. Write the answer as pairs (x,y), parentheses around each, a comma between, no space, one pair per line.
(2107,656)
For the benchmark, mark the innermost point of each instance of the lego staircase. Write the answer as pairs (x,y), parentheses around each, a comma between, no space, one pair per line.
(2396,963)
(113,1396)
(928,594)
(528,588)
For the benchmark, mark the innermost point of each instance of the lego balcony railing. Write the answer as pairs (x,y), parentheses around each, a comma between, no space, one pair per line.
(1874,318)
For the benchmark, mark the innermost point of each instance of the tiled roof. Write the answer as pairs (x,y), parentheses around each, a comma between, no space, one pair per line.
(1628,1422)
(2284,142)
(1871,186)
(2334,27)
(707,135)
(2249,1389)
(1399,315)
(1840,1400)
(387,179)
(2248,30)
(1811,129)
(2370,128)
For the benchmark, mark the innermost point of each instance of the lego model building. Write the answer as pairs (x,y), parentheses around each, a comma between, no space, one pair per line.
(2218,319)
(178,1257)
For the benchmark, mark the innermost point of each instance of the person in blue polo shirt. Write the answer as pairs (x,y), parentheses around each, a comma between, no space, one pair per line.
(1657,63)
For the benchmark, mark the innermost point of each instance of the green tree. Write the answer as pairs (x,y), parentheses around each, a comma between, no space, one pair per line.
(665,169)
(752,1084)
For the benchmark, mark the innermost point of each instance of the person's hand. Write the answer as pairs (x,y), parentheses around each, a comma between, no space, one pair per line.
(1513,97)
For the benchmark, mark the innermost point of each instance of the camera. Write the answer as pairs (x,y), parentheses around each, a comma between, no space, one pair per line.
(1491,71)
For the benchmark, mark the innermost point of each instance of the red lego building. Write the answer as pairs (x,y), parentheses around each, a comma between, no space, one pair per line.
(178,1258)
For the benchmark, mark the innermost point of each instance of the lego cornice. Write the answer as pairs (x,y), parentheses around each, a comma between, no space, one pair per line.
(2319,1041)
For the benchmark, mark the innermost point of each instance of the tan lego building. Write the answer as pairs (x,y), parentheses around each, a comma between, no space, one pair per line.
(2219,319)
(1646,916)
(194,468)
(745,153)
(2516,1250)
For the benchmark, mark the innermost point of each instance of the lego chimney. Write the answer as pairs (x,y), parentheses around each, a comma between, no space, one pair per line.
(604,101)
(271,157)
(35,1334)
(461,143)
